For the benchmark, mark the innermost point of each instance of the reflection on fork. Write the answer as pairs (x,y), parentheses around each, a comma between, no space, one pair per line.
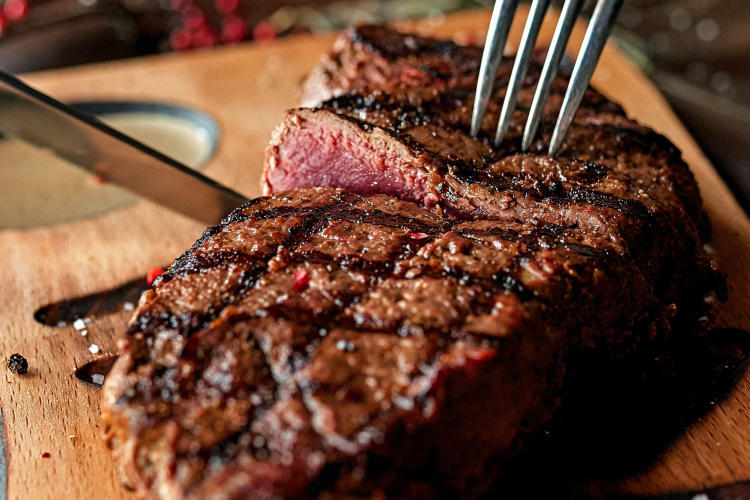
(596,36)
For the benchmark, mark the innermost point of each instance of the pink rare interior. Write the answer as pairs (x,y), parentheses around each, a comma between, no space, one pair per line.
(313,155)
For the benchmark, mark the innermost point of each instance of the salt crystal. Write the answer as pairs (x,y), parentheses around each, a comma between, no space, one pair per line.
(84,333)
(79,324)
(93,348)
(97,378)
(403,403)
(128,306)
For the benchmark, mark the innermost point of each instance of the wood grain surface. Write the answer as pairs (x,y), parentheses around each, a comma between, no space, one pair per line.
(246,89)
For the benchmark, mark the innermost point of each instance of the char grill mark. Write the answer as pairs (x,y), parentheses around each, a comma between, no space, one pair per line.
(402,109)
(329,213)
(353,349)
(390,44)
(549,190)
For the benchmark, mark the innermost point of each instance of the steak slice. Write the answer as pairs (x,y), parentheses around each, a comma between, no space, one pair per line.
(376,57)
(408,136)
(320,344)
(370,58)
(614,178)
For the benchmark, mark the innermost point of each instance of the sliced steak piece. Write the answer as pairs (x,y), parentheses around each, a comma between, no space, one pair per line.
(369,57)
(318,344)
(615,178)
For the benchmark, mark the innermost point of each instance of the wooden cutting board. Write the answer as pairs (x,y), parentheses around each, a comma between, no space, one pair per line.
(246,88)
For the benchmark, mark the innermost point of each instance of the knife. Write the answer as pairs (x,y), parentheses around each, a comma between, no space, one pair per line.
(85,141)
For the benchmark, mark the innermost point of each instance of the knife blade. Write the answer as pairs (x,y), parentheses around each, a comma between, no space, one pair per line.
(85,141)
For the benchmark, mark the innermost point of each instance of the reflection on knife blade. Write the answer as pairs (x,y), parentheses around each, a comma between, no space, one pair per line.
(112,156)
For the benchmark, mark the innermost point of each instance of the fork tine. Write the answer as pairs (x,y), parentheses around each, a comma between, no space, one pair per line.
(565,25)
(599,29)
(521,66)
(502,16)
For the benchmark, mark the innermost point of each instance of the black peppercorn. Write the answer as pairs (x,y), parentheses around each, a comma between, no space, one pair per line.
(18,364)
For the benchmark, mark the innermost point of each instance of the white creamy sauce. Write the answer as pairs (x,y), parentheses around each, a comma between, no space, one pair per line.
(40,189)
(173,136)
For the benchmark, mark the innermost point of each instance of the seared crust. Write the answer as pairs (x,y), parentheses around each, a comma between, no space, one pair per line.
(316,342)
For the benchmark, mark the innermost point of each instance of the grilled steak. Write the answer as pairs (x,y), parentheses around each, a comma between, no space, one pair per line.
(318,344)
(404,337)
(613,177)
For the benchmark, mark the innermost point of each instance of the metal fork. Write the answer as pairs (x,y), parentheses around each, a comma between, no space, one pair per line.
(598,31)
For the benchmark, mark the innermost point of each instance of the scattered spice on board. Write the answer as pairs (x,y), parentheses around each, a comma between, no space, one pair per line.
(18,364)
(45,454)
(154,273)
(80,325)
(301,280)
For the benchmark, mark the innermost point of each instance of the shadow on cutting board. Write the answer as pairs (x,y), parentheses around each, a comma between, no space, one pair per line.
(617,421)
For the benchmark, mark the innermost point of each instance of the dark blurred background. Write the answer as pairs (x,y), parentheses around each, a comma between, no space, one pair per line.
(696,51)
